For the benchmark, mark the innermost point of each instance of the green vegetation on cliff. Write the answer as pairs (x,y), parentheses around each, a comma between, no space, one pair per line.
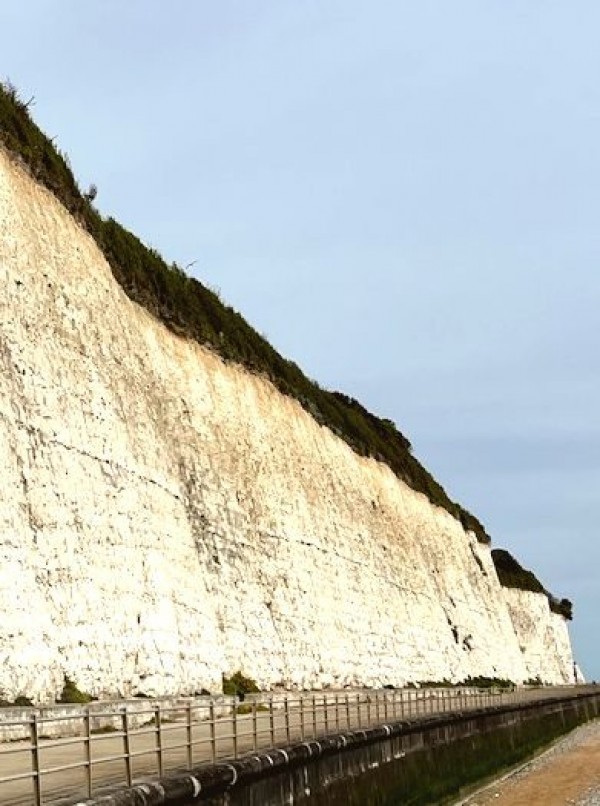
(190,309)
(512,575)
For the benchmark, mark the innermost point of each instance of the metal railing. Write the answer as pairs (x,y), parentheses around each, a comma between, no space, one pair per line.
(121,744)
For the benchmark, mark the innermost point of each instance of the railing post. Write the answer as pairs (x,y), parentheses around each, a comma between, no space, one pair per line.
(302,726)
(88,751)
(158,733)
(358,711)
(190,752)
(255,725)
(314,715)
(126,746)
(234,727)
(35,760)
(272,721)
(213,732)
(337,713)
(348,710)
(326,713)
(286,705)
(385,704)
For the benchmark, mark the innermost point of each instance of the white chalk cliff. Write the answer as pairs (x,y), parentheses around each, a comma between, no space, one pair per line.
(166,517)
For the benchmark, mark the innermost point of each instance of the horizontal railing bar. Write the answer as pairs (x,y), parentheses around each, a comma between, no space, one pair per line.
(166,748)
(164,728)
(79,716)
(106,759)
(102,736)
(137,753)
(150,730)
(75,765)
(18,776)
(5,751)
(64,741)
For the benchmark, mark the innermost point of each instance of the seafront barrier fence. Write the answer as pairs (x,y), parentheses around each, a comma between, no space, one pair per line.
(65,753)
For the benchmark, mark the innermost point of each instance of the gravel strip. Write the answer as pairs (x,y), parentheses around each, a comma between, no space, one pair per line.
(589,798)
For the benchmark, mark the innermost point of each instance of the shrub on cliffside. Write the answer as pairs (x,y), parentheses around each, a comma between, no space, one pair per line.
(71,694)
(512,575)
(238,685)
(564,607)
(19,702)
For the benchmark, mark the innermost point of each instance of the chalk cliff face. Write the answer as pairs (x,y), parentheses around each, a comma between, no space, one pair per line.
(542,635)
(166,517)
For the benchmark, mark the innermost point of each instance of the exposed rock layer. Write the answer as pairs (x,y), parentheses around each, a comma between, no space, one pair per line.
(166,517)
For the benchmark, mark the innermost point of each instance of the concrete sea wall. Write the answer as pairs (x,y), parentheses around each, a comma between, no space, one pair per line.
(419,762)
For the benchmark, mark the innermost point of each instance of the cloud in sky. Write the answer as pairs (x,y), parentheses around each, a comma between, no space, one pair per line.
(402,196)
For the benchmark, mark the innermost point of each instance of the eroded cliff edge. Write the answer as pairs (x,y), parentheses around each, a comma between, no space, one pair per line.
(167,517)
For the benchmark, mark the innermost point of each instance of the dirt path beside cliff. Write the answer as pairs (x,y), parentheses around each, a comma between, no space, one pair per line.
(568,773)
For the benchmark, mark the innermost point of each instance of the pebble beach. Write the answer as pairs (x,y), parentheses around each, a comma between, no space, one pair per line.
(566,774)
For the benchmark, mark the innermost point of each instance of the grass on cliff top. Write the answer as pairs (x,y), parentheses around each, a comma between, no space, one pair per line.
(512,575)
(190,309)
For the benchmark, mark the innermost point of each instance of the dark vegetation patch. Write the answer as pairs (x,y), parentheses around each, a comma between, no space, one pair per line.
(191,309)
(72,694)
(238,685)
(512,575)
(469,682)
(19,702)
(563,607)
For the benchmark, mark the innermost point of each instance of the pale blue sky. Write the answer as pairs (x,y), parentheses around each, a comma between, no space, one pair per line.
(403,196)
